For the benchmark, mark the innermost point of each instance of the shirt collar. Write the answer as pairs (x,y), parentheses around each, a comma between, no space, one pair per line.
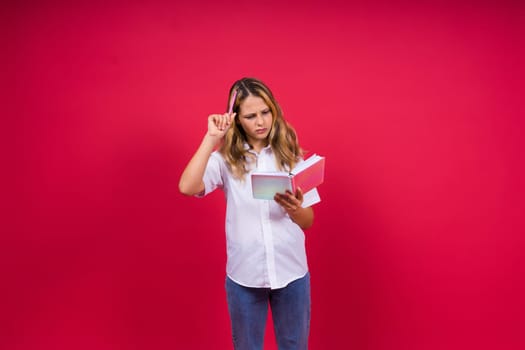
(267,148)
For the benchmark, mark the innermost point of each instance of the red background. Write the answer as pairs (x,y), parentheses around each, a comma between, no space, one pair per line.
(418,107)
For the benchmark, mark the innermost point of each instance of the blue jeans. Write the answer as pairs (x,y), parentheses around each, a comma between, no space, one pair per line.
(290,306)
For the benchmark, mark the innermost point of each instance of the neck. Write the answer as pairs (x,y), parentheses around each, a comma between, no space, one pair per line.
(258,145)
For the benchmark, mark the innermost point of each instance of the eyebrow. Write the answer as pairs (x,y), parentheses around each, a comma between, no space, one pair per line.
(253,114)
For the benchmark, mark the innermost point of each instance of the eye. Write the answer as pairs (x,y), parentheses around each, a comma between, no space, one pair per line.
(251,116)
(266,111)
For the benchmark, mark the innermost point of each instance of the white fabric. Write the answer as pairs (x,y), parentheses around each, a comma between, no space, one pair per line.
(265,247)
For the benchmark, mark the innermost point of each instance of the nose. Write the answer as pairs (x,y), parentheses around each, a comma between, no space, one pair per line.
(259,120)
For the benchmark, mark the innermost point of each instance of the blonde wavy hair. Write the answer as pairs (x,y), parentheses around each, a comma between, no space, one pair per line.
(282,137)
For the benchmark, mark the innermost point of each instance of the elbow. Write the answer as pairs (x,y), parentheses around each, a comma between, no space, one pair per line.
(189,190)
(304,218)
(309,222)
(186,193)
(307,225)
(184,189)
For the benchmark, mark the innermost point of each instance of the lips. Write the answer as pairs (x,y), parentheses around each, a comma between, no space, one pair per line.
(261,131)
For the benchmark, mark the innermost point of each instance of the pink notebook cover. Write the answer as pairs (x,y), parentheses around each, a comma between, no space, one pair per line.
(309,178)
(266,184)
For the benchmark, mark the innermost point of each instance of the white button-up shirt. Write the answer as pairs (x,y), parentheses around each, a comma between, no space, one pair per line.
(265,248)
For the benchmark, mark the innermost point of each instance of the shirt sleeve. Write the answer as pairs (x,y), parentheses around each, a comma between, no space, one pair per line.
(212,175)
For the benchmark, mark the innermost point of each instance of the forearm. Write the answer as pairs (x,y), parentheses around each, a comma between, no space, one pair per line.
(191,179)
(304,217)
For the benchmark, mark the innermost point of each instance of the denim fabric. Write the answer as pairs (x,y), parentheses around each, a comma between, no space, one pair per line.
(290,307)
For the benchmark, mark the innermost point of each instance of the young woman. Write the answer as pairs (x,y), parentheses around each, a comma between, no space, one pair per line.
(266,262)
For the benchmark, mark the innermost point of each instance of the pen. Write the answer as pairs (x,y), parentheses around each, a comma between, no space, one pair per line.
(232,101)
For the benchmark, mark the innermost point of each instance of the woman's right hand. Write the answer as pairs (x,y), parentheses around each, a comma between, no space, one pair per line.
(218,124)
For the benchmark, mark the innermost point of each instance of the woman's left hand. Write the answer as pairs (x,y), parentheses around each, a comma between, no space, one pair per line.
(289,201)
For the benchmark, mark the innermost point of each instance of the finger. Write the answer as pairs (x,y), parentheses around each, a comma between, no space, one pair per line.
(221,122)
(231,117)
(287,201)
(299,194)
(292,200)
(281,200)
(226,121)
(214,124)
(229,122)
(213,121)
(295,201)
(291,197)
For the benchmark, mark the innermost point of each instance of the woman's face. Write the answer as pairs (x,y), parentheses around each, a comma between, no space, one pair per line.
(255,117)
